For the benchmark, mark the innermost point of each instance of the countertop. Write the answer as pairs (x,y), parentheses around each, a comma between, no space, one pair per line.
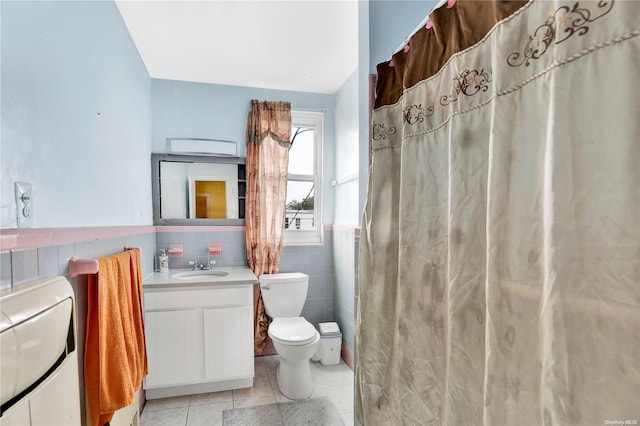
(166,280)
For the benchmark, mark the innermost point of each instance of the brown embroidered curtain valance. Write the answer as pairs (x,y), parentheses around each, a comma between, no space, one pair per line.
(452,30)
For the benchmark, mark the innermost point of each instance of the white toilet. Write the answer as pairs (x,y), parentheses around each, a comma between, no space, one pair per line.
(295,339)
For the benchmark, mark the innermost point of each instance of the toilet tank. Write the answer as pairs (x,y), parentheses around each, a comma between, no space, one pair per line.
(284,294)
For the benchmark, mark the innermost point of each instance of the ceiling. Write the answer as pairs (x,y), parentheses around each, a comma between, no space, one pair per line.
(305,46)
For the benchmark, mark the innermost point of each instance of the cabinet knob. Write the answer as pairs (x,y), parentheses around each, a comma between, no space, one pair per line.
(266,287)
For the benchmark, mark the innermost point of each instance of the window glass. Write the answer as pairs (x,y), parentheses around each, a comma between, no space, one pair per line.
(303,222)
(301,154)
(300,205)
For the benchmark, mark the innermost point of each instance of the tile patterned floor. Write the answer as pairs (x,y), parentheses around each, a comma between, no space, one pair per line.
(334,382)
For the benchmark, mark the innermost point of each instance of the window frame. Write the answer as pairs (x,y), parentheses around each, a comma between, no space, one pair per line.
(316,120)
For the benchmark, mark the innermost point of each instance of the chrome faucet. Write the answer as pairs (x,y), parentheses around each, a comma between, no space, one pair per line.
(202,266)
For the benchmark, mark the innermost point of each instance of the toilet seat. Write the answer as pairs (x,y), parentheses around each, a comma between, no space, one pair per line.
(295,331)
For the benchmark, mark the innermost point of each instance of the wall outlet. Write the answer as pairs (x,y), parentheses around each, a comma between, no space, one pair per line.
(24,204)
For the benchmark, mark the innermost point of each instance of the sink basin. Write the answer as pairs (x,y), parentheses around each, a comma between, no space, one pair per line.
(199,275)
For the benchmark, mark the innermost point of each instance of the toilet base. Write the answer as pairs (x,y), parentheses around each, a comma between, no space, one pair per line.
(294,373)
(294,379)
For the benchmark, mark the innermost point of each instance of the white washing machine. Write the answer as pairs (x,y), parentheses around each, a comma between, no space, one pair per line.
(39,362)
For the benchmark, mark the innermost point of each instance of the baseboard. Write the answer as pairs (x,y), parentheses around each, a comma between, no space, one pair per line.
(347,355)
(166,392)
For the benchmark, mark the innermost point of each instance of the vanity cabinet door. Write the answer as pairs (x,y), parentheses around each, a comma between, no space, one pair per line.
(228,343)
(174,347)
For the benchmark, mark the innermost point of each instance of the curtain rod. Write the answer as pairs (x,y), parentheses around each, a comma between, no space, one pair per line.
(422,23)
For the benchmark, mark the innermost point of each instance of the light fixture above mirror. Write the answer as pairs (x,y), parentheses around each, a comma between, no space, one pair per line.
(199,146)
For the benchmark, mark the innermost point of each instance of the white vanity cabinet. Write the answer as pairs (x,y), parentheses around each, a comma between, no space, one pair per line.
(172,342)
(199,338)
(229,325)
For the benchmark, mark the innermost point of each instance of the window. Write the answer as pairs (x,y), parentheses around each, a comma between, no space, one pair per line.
(303,222)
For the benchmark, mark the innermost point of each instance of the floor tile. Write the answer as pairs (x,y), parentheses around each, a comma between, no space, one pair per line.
(342,398)
(331,375)
(209,398)
(271,362)
(166,403)
(207,414)
(279,396)
(258,390)
(347,418)
(258,362)
(252,402)
(266,416)
(296,414)
(170,417)
(261,376)
(334,382)
(273,377)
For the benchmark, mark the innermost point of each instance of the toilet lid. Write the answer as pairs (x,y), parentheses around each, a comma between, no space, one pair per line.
(293,331)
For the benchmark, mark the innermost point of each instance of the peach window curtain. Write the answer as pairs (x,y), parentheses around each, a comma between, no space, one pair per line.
(268,134)
(499,265)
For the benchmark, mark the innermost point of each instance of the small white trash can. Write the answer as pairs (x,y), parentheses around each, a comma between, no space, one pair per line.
(330,344)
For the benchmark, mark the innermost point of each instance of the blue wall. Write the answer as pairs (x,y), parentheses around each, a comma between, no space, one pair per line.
(76,115)
(390,21)
(347,152)
(76,124)
(200,110)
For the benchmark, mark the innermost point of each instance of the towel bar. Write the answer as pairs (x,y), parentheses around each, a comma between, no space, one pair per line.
(87,266)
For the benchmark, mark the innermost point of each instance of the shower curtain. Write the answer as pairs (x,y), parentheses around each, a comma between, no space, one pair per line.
(499,266)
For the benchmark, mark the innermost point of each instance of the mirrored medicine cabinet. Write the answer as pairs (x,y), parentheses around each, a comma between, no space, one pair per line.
(198,189)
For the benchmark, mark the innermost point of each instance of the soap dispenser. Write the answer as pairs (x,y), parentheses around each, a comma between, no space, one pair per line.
(163,260)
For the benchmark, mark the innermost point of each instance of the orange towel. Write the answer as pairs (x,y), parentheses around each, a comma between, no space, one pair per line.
(115,358)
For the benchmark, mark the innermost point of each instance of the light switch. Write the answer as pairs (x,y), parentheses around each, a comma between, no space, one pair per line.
(24,204)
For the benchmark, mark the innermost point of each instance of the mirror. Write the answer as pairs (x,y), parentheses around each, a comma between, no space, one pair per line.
(198,189)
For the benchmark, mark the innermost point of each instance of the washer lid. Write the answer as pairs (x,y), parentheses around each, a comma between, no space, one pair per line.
(294,330)
(35,321)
